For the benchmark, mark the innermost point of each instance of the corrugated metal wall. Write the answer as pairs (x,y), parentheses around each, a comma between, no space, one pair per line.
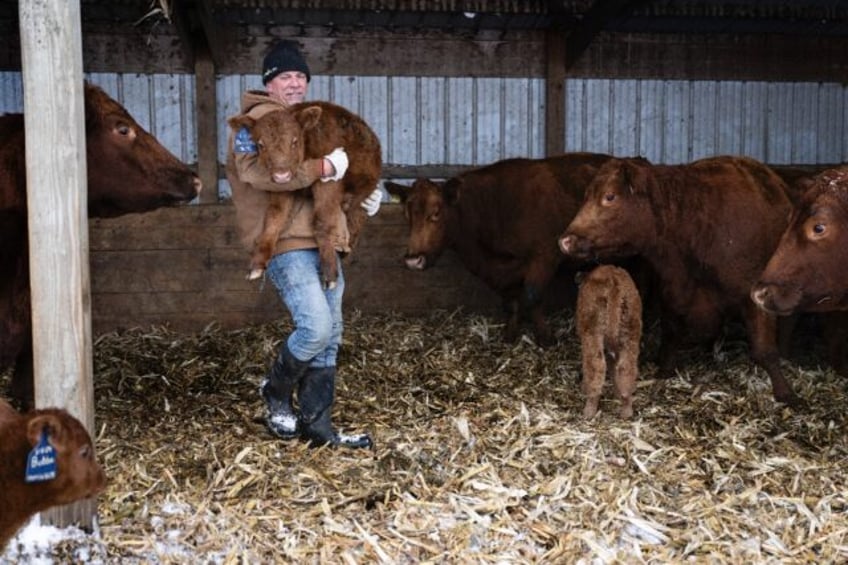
(474,121)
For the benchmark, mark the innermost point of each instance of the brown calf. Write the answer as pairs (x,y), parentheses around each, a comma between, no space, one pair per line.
(78,474)
(322,127)
(609,322)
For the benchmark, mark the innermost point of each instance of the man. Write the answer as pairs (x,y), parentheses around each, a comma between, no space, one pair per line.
(306,363)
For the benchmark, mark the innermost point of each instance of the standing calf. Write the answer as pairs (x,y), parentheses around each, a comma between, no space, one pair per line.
(609,322)
(78,474)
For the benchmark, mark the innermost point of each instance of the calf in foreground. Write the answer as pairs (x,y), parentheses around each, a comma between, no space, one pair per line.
(23,493)
(609,323)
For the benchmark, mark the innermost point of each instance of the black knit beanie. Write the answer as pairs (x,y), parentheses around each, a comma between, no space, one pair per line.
(284,56)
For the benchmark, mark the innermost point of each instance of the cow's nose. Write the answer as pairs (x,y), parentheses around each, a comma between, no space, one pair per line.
(568,244)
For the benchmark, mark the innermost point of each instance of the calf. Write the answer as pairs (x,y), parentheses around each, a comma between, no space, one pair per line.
(322,127)
(707,228)
(609,323)
(128,171)
(503,221)
(78,475)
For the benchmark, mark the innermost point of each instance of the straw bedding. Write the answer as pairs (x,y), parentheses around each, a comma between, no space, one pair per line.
(482,455)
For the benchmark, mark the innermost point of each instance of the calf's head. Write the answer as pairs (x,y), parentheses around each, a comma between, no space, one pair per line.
(426,206)
(616,215)
(279,138)
(808,270)
(78,475)
(128,169)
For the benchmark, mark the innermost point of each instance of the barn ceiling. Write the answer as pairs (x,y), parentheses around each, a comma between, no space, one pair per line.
(224,26)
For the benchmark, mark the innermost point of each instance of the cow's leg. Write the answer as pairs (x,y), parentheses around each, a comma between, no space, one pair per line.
(22,386)
(512,310)
(328,197)
(277,217)
(536,280)
(762,336)
(594,371)
(835,329)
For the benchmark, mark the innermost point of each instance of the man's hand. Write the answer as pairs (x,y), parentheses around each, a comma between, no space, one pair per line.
(335,165)
(372,204)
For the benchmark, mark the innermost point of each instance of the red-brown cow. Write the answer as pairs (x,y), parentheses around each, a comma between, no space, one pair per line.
(322,127)
(707,228)
(78,475)
(808,271)
(128,171)
(503,221)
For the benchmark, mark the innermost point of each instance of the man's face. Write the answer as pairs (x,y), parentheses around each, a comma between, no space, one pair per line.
(288,87)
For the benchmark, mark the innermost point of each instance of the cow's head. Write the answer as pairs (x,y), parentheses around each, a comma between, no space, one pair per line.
(279,138)
(128,169)
(616,213)
(809,268)
(426,207)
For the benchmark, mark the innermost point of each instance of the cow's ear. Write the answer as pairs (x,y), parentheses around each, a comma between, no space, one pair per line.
(397,189)
(452,190)
(308,117)
(241,121)
(634,174)
(50,424)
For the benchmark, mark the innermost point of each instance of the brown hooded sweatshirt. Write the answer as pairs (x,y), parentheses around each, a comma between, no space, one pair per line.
(251,185)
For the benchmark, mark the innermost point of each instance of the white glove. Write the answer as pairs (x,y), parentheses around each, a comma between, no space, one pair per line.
(372,204)
(339,160)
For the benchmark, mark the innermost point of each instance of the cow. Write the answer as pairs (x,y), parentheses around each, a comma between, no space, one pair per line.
(609,324)
(707,228)
(808,271)
(502,220)
(128,171)
(321,126)
(23,493)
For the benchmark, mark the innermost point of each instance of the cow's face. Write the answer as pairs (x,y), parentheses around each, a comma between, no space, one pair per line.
(425,207)
(808,270)
(615,219)
(128,169)
(279,138)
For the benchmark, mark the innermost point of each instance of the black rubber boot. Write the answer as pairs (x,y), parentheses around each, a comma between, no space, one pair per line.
(315,395)
(277,390)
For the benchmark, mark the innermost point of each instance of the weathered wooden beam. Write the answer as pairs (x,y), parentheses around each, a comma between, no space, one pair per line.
(207,124)
(51,55)
(555,55)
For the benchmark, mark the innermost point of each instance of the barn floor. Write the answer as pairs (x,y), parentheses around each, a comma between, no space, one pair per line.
(481,455)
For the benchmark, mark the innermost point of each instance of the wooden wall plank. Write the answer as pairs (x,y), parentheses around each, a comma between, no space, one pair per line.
(183,267)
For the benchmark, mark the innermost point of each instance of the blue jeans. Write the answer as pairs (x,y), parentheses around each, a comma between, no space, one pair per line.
(316,313)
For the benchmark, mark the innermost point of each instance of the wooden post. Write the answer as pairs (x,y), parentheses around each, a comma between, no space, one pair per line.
(51,56)
(207,125)
(554,92)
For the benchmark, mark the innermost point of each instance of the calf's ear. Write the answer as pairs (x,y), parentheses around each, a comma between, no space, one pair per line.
(52,425)
(308,117)
(243,120)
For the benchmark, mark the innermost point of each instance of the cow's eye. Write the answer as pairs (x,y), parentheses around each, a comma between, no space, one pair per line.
(819,229)
(294,142)
(260,145)
(609,197)
(123,129)
(434,217)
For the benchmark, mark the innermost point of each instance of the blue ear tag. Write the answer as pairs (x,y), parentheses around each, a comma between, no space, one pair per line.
(243,143)
(41,461)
